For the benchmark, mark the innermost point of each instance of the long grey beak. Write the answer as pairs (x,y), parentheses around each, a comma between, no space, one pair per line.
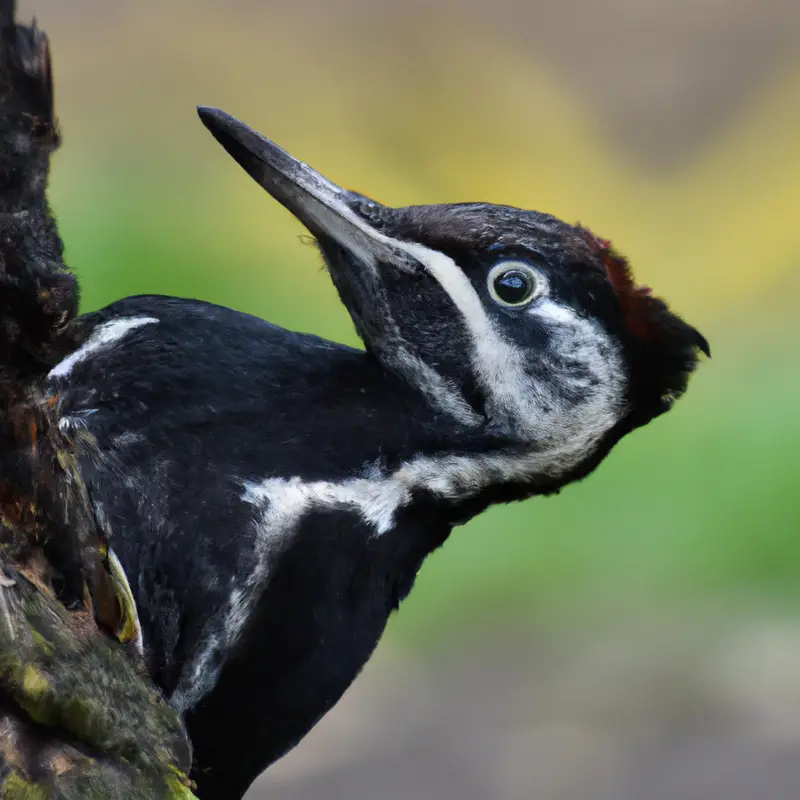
(323,207)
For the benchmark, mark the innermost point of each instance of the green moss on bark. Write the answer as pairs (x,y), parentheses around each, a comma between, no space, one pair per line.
(80,713)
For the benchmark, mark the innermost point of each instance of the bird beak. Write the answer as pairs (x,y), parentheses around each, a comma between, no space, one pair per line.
(326,209)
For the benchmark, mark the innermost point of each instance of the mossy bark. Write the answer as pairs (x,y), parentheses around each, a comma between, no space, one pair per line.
(79,717)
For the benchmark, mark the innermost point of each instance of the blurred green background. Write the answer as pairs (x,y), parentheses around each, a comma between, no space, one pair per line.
(671,129)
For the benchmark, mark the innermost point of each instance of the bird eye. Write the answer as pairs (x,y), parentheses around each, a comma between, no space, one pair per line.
(514,283)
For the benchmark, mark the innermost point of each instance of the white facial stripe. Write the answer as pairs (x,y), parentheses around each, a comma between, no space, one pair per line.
(501,369)
(495,359)
(499,365)
(442,268)
(102,337)
(599,376)
(438,391)
(328,213)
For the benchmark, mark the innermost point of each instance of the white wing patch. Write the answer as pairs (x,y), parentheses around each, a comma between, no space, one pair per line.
(103,337)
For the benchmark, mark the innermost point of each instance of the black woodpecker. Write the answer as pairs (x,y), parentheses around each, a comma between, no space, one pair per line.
(272,495)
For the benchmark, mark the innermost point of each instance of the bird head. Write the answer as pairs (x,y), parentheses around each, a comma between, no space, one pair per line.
(509,321)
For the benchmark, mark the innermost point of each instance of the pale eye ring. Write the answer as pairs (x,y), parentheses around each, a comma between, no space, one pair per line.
(514,284)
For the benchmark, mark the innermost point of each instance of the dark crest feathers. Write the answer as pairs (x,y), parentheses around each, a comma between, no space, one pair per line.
(663,349)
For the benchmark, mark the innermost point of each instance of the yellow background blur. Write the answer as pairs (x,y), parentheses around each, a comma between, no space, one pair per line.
(637,637)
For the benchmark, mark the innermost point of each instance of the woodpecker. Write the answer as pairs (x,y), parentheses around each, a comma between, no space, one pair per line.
(272,495)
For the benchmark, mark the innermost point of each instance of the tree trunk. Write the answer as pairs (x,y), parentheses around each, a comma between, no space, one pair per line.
(79,716)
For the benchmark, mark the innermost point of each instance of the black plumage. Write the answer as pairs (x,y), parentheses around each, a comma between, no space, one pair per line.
(272,495)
